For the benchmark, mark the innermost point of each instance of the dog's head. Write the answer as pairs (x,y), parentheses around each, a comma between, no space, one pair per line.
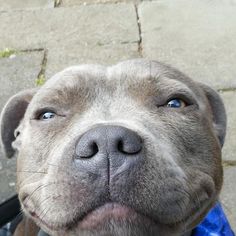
(132,149)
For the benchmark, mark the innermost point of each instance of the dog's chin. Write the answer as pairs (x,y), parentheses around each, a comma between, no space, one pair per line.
(110,219)
(110,211)
(104,219)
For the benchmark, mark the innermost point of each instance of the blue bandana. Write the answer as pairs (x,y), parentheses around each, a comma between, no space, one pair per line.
(214,224)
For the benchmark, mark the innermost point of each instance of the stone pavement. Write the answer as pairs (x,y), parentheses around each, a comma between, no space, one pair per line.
(40,37)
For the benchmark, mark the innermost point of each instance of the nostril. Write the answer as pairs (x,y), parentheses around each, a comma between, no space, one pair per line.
(129,146)
(87,151)
(94,148)
(108,140)
(120,146)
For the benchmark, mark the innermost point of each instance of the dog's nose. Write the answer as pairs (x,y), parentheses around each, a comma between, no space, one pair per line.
(108,140)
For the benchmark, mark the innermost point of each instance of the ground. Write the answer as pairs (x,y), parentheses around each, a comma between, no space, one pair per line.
(40,37)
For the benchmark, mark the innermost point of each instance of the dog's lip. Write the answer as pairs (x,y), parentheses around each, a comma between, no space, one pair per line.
(95,218)
(107,211)
(34,214)
(37,218)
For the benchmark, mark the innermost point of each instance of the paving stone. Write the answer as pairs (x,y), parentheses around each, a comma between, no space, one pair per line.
(229,149)
(75,26)
(198,37)
(106,54)
(212,2)
(26,4)
(16,73)
(228,195)
(85,2)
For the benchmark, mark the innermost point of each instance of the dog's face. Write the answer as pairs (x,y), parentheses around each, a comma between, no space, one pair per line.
(133,149)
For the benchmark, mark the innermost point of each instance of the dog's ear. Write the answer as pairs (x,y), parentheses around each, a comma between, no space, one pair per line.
(218,112)
(11,116)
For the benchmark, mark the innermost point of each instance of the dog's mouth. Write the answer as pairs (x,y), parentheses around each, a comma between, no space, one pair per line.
(95,219)
(107,213)
(115,211)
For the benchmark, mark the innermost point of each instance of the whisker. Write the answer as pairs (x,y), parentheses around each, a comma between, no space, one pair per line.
(44,200)
(42,214)
(50,164)
(30,171)
(59,168)
(37,189)
(21,213)
(195,197)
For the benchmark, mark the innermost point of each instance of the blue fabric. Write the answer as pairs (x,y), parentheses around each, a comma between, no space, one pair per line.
(214,224)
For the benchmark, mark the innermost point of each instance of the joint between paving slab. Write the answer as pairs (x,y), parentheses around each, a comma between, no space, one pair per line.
(140,47)
(31,50)
(229,163)
(41,76)
(8,52)
(226,90)
(111,43)
(57,3)
(129,42)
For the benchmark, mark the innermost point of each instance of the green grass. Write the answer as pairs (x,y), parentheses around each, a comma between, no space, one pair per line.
(40,80)
(7,52)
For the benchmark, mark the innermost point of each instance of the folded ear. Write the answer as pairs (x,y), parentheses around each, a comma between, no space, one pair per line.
(218,112)
(11,116)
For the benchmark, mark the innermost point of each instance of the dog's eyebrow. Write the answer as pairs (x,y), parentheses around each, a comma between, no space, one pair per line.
(169,88)
(171,85)
(50,97)
(63,94)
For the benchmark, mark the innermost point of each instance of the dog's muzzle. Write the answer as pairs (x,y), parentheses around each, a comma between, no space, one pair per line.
(114,147)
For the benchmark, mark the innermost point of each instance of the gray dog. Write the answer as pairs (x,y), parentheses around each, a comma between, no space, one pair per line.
(131,149)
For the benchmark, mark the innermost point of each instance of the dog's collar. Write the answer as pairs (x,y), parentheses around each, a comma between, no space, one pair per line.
(215,223)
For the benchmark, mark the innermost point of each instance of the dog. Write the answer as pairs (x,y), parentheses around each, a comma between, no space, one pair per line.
(130,149)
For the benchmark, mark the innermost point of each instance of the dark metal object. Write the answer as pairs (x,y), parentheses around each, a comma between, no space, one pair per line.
(9,210)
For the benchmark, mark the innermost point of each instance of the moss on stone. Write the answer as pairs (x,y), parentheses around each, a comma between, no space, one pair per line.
(40,80)
(7,52)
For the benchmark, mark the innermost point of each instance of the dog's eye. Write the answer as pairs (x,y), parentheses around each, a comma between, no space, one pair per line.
(176,103)
(47,115)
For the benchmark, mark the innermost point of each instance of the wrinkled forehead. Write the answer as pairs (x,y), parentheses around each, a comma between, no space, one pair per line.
(139,77)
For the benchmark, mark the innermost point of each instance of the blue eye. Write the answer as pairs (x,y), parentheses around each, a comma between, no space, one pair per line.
(176,103)
(47,115)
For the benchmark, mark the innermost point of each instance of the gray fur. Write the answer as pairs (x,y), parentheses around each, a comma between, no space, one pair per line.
(168,194)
